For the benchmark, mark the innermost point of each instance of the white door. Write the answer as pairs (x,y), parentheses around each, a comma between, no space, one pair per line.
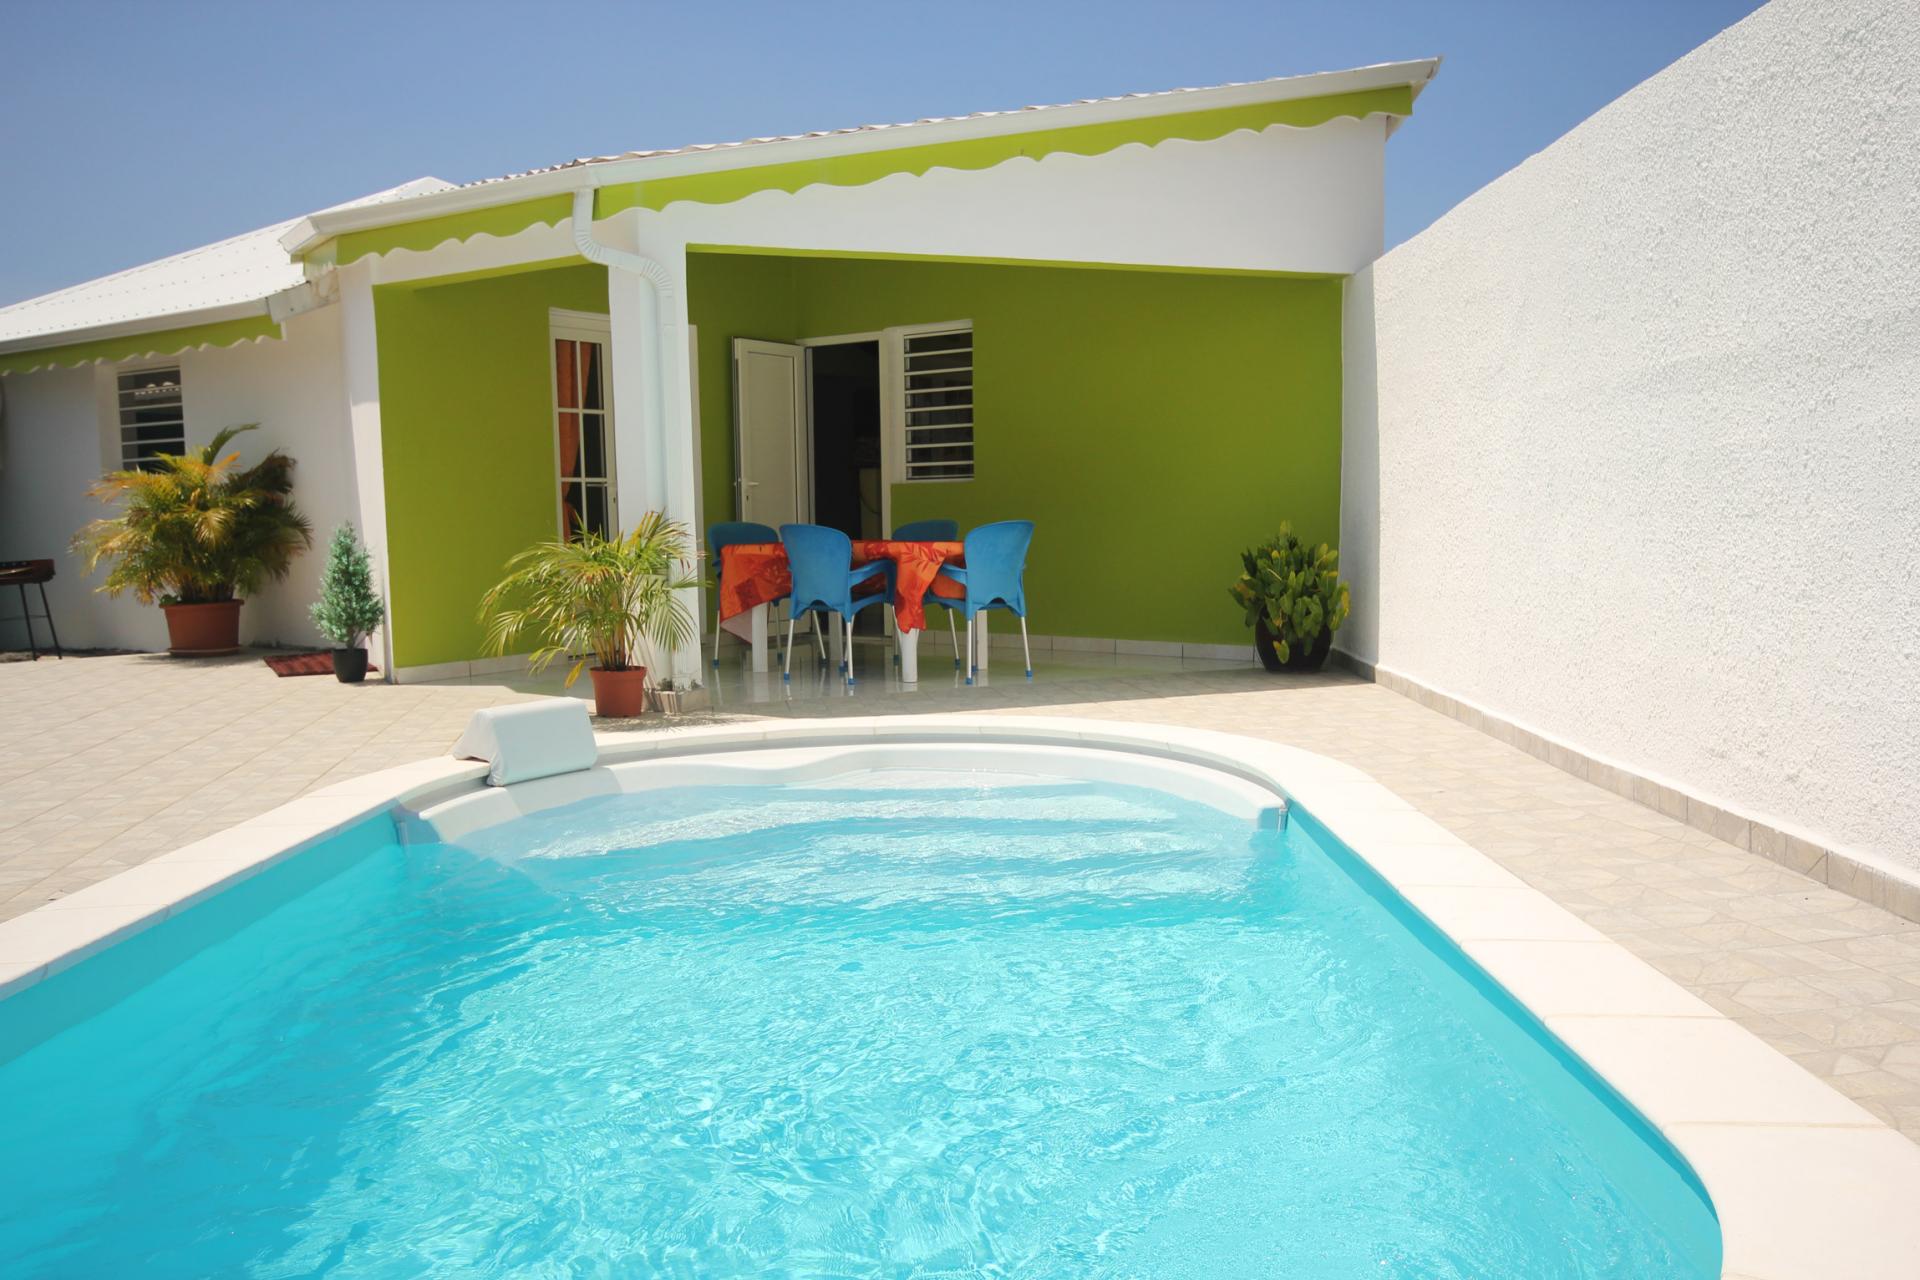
(769,425)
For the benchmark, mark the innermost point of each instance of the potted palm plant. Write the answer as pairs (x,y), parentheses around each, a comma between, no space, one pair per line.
(609,602)
(198,534)
(347,609)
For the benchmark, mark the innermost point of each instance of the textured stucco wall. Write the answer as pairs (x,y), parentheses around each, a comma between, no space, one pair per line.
(1641,470)
(61,433)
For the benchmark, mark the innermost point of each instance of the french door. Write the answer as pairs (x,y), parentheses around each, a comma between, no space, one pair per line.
(583,426)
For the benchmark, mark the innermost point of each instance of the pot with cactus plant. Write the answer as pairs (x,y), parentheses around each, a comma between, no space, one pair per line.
(1294,600)
(608,603)
(348,609)
(198,534)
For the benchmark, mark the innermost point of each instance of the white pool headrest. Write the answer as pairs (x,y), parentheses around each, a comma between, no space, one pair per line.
(530,740)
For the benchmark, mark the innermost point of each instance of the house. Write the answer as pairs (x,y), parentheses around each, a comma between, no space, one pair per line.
(1120,318)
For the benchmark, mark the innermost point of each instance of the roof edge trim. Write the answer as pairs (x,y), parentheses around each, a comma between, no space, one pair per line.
(162,336)
(315,229)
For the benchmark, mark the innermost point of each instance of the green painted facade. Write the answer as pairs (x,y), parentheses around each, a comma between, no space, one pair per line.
(164,342)
(727,185)
(1152,424)
(466,425)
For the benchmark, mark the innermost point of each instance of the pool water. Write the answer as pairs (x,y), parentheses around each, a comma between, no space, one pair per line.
(896,1024)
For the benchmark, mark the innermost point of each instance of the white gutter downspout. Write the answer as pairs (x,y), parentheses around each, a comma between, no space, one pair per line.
(608,256)
(663,394)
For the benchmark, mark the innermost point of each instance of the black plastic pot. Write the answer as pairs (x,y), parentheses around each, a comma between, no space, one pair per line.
(349,665)
(1309,659)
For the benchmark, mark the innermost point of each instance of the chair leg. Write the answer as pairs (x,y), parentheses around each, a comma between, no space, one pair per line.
(786,672)
(26,620)
(1026,648)
(819,639)
(716,640)
(57,651)
(955,637)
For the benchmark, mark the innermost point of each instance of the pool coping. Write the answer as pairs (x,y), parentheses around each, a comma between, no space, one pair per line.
(1806,1184)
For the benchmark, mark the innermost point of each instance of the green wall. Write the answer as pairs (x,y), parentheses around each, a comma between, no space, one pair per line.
(467,439)
(1151,423)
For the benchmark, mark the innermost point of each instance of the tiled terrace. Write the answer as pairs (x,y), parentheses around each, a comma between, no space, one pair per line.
(105,762)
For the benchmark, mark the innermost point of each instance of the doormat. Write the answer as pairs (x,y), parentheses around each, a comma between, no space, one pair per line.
(306,664)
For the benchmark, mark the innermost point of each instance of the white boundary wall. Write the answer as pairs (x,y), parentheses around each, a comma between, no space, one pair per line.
(1633,434)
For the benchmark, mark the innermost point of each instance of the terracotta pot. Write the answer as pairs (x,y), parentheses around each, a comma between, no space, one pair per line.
(1312,658)
(203,630)
(619,695)
(349,665)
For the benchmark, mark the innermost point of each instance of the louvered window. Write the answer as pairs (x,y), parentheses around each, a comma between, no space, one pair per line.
(152,420)
(939,409)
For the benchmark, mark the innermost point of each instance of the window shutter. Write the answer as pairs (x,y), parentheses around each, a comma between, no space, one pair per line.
(939,408)
(152,418)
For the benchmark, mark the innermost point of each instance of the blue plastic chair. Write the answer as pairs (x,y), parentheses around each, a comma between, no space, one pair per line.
(925,531)
(730,533)
(994,578)
(823,579)
(928,531)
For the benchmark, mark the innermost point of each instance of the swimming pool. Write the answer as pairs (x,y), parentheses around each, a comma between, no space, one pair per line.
(863,1022)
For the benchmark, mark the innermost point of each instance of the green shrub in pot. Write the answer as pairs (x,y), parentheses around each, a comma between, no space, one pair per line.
(1293,598)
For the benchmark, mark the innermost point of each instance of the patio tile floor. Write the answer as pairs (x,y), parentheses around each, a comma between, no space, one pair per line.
(108,761)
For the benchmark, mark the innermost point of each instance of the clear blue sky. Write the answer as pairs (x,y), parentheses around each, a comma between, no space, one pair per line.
(129,131)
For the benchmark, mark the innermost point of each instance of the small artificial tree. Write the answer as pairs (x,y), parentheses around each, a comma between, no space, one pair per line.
(348,608)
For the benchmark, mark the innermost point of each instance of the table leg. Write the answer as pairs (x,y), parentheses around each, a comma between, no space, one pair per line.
(759,641)
(980,644)
(909,655)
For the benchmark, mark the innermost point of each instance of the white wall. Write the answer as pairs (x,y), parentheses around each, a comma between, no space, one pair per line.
(53,453)
(294,389)
(60,434)
(1643,470)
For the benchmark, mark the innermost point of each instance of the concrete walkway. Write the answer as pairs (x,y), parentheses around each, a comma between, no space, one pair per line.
(105,762)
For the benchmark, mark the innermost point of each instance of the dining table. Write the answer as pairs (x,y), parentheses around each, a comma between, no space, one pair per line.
(754,574)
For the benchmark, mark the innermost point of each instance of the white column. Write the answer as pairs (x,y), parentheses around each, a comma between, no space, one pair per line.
(679,447)
(638,468)
(360,356)
(653,412)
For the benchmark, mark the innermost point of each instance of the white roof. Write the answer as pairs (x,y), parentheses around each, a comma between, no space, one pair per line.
(234,278)
(1277,88)
(638,166)
(224,281)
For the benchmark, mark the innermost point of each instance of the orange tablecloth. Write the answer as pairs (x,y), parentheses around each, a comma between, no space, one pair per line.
(753,573)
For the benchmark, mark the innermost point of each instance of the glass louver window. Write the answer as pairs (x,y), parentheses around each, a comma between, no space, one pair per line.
(152,418)
(939,411)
